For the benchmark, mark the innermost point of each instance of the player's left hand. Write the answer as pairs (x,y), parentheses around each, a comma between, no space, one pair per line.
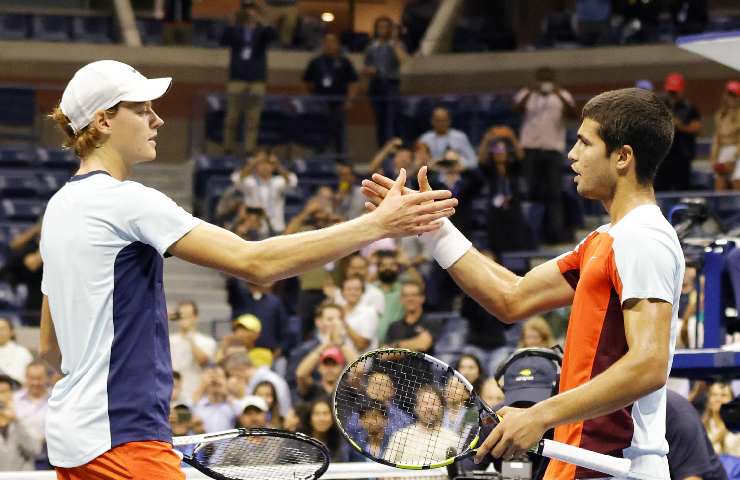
(518,431)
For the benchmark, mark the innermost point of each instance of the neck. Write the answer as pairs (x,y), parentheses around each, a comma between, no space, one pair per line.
(107,160)
(627,198)
(216,397)
(413,316)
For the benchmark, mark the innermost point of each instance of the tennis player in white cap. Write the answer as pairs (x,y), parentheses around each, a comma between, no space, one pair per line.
(103,320)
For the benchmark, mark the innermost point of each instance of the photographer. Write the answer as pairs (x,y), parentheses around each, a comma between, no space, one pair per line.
(264,182)
(191,350)
(402,157)
(247,38)
(545,106)
(383,60)
(442,138)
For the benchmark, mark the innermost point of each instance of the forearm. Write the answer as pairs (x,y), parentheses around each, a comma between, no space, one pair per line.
(308,364)
(421,342)
(278,257)
(201,357)
(360,342)
(628,379)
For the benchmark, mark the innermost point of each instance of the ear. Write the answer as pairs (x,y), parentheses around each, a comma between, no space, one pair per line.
(625,157)
(101,122)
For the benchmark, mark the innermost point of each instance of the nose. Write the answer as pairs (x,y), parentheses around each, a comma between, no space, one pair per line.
(572,155)
(156,120)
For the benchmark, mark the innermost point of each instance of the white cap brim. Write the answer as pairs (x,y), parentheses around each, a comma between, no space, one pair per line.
(147,90)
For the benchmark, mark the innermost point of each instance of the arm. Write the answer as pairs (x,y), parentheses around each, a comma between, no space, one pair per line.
(421,342)
(569,108)
(201,357)
(275,258)
(377,162)
(521,104)
(692,128)
(20,241)
(640,371)
(49,348)
(360,342)
(304,372)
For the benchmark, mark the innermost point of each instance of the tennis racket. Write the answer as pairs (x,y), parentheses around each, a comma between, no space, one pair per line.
(262,453)
(410,410)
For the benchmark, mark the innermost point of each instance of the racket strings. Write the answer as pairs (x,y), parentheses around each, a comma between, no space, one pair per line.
(421,408)
(261,457)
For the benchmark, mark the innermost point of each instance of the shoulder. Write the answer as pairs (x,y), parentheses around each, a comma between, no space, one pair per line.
(645,231)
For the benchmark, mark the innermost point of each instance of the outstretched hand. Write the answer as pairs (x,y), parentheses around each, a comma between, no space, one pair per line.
(402,211)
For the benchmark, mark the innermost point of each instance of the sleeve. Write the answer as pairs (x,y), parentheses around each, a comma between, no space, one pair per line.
(647,270)
(151,217)
(393,334)
(569,263)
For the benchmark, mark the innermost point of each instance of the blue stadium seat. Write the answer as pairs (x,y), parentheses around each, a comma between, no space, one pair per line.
(17,116)
(52,28)
(95,29)
(216,185)
(21,210)
(208,166)
(51,181)
(207,32)
(17,156)
(7,297)
(15,26)
(215,116)
(20,184)
(58,159)
(150,30)
(312,114)
(276,121)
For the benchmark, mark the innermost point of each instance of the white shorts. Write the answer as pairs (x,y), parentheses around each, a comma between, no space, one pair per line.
(729,154)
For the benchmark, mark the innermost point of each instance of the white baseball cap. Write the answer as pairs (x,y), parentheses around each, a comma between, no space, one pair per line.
(253,401)
(101,85)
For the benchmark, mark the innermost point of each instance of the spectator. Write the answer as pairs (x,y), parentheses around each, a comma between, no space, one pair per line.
(442,137)
(536,332)
(31,402)
(723,441)
(389,271)
(372,296)
(491,392)
(725,151)
(19,446)
(190,349)
(360,321)
(284,15)
(426,437)
(315,215)
(383,60)
(183,422)
(14,358)
(246,330)
(266,391)
(328,361)
(372,428)
(253,413)
(674,173)
(449,173)
(402,157)
(246,377)
(259,301)
(470,367)
(545,107)
(318,423)
(177,396)
(499,160)
(458,414)
(263,189)
(23,268)
(413,331)
(215,409)
(690,453)
(350,203)
(247,39)
(332,76)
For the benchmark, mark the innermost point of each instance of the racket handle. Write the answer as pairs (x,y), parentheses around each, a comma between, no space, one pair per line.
(617,467)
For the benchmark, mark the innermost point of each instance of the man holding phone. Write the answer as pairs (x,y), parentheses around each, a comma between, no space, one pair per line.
(545,106)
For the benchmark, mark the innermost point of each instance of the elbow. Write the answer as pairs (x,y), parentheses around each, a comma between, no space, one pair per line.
(254,269)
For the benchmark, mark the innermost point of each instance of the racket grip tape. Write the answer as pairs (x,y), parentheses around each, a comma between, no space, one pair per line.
(617,467)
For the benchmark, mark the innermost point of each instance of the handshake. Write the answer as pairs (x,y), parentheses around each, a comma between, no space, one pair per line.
(403,211)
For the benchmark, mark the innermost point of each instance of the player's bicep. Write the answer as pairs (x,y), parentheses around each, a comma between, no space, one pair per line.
(214,247)
(542,288)
(647,329)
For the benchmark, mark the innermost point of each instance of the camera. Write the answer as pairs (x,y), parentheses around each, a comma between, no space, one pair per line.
(255,210)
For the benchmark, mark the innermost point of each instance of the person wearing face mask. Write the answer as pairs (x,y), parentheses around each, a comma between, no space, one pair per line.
(675,171)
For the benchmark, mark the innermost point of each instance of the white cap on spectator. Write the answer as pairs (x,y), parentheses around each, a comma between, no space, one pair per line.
(253,401)
(103,84)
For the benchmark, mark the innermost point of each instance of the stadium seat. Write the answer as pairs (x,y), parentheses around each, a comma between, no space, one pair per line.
(20,184)
(207,166)
(52,28)
(58,159)
(14,26)
(214,117)
(51,181)
(276,121)
(216,185)
(21,210)
(312,114)
(17,156)
(207,32)
(17,117)
(94,29)
(150,30)
(354,41)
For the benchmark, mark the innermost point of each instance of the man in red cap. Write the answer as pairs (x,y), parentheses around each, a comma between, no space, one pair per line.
(675,171)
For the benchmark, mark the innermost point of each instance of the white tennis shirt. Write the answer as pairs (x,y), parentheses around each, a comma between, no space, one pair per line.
(103,243)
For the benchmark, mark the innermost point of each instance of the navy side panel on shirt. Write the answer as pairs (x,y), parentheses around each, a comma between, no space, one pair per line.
(140,376)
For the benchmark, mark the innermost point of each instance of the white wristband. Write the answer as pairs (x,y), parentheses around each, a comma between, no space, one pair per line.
(447,244)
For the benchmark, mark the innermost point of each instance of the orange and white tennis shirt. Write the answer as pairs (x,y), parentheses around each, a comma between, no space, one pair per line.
(638,257)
